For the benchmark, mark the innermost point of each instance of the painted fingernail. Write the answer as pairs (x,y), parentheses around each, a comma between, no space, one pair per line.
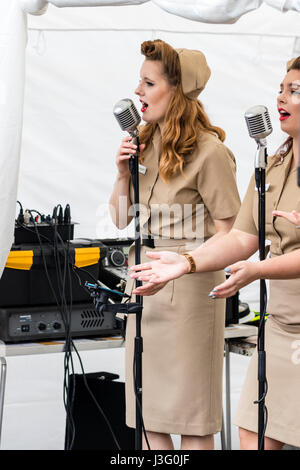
(227,270)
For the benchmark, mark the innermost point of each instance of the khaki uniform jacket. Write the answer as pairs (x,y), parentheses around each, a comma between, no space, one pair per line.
(283,194)
(208,181)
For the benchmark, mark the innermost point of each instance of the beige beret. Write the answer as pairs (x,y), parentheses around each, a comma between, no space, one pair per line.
(194,71)
(289,63)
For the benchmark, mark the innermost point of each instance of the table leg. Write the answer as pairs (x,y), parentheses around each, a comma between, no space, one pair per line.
(228,403)
(223,437)
(2,390)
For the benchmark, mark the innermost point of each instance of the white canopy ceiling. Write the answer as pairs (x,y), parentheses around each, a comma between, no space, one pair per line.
(206,11)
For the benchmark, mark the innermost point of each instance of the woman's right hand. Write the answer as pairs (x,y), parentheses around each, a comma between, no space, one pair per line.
(126,149)
(166,266)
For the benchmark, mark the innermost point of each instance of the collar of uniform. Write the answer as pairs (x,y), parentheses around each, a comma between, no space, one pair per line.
(281,159)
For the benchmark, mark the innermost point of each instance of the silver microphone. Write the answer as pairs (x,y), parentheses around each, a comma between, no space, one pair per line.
(127,115)
(258,122)
(259,126)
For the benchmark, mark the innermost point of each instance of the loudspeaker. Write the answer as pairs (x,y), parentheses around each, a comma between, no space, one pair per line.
(232,310)
(90,430)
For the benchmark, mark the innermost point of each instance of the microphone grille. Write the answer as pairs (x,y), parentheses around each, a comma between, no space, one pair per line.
(127,115)
(258,122)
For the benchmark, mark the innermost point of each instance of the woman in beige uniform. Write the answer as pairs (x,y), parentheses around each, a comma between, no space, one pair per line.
(283,270)
(188,193)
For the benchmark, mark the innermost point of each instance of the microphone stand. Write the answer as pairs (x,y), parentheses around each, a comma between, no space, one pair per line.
(138,341)
(101,297)
(260,178)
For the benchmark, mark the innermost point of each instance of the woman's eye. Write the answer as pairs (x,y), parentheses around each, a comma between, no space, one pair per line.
(150,84)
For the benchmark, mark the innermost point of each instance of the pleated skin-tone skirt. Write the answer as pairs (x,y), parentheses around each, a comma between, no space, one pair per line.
(282,345)
(183,338)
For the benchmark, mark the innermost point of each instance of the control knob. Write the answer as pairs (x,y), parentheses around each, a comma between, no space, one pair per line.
(117,258)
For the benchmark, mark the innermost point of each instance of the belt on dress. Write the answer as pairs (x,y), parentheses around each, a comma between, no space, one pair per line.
(148,241)
(151,242)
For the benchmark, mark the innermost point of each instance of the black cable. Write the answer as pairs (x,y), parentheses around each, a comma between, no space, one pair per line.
(139,404)
(69,344)
(62,308)
(68,361)
(72,345)
(21,207)
(70,421)
(33,210)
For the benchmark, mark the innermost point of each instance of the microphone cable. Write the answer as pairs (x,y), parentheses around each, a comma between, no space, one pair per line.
(66,316)
(62,309)
(61,305)
(69,346)
(262,398)
(139,404)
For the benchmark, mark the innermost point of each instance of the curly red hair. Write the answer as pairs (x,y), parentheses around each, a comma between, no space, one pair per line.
(185,118)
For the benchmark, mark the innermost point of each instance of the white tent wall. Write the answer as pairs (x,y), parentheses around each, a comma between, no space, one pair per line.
(12,73)
(79,63)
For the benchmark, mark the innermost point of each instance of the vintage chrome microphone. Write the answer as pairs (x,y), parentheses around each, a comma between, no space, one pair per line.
(129,119)
(259,127)
(127,115)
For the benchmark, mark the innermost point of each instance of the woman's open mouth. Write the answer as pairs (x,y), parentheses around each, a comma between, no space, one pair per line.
(283,114)
(144,106)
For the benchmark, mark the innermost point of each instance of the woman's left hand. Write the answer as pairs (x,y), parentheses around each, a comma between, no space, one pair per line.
(149,288)
(241,273)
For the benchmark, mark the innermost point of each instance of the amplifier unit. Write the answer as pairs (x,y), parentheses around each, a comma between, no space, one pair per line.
(46,322)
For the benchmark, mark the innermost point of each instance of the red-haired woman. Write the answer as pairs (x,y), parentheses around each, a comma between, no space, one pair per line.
(188,196)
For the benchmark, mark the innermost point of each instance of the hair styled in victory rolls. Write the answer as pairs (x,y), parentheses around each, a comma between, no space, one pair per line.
(288,144)
(185,118)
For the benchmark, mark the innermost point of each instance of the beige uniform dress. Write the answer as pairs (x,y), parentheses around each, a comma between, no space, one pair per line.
(282,340)
(182,328)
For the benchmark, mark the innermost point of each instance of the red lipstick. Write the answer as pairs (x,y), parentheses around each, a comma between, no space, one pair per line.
(283,114)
